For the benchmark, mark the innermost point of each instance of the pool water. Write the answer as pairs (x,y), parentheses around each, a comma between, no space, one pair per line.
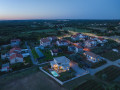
(54,73)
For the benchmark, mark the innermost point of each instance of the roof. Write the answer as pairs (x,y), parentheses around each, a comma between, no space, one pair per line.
(15,49)
(91,54)
(44,40)
(16,55)
(62,59)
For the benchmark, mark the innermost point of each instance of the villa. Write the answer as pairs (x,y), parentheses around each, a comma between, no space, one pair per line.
(60,64)
(92,57)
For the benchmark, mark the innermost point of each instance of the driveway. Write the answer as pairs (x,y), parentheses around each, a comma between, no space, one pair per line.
(79,71)
(29,50)
(39,52)
(109,63)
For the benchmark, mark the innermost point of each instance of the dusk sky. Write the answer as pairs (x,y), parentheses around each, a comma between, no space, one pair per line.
(59,9)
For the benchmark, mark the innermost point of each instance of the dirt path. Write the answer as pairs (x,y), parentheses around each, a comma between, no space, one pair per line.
(36,81)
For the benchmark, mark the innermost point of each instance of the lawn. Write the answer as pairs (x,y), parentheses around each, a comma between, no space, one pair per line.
(109,74)
(29,80)
(28,60)
(48,56)
(98,64)
(35,55)
(90,85)
(111,55)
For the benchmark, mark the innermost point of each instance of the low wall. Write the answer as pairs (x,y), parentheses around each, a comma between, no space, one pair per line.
(60,82)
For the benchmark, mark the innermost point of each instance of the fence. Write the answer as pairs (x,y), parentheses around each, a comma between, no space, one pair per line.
(60,82)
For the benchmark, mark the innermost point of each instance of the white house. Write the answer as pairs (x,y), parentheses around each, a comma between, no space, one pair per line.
(45,42)
(90,43)
(16,58)
(62,42)
(5,67)
(60,64)
(75,49)
(92,57)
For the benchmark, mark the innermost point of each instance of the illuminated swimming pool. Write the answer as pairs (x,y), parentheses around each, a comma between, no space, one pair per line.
(54,73)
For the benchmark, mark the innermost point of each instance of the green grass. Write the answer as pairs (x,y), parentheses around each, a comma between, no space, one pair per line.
(109,74)
(28,60)
(76,30)
(20,74)
(111,55)
(98,64)
(35,55)
(90,85)
(47,54)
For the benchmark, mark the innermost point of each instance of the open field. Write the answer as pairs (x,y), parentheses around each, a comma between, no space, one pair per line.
(32,81)
(90,85)
(109,74)
(76,30)
(111,55)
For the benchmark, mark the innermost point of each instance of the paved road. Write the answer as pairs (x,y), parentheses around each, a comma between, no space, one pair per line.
(77,69)
(109,63)
(32,58)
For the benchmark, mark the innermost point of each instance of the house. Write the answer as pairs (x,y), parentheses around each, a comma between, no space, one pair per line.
(72,49)
(15,42)
(16,58)
(15,50)
(45,42)
(79,48)
(75,49)
(62,42)
(78,36)
(60,64)
(15,55)
(53,38)
(101,40)
(90,43)
(54,52)
(5,67)
(92,57)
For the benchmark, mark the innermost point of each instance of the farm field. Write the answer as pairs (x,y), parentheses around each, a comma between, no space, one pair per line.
(109,74)
(111,55)
(90,85)
(32,81)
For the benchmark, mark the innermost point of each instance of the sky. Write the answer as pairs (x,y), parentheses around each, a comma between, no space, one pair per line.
(59,9)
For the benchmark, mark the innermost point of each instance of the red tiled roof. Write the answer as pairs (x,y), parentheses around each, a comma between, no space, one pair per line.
(16,55)
(14,49)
